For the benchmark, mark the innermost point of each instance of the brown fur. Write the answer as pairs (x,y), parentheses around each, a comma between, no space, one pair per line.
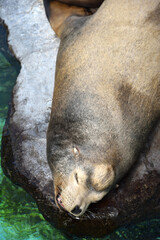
(83,3)
(59,12)
(106,98)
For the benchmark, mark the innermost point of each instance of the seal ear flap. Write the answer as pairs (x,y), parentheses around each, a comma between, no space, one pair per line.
(103,177)
(58,13)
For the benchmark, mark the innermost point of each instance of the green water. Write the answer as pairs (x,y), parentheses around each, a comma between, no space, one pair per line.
(19,215)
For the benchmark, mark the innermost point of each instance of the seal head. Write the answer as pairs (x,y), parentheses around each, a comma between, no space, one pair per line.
(76,191)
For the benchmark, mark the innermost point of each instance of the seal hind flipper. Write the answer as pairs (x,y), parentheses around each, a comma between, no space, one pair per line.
(83,3)
(58,12)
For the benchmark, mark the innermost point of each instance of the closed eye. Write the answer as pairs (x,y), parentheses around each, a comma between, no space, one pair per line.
(76,177)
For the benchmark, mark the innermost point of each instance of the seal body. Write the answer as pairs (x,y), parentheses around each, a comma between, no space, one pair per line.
(106,99)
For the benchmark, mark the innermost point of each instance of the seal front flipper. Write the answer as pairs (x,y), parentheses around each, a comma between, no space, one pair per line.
(58,12)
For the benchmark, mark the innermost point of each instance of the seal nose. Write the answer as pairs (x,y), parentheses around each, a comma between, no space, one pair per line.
(76,210)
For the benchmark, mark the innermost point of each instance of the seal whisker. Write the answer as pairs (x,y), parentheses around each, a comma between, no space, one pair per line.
(90,214)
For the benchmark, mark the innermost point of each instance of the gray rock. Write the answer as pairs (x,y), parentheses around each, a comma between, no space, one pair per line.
(35,45)
(24,138)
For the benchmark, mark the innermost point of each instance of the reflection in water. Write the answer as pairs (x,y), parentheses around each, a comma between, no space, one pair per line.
(19,215)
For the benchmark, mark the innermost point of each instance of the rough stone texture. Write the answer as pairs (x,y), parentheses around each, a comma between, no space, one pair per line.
(35,45)
(24,138)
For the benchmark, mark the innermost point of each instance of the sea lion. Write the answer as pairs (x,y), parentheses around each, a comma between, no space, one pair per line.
(106,99)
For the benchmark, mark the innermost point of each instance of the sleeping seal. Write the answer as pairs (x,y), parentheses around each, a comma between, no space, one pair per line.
(106,98)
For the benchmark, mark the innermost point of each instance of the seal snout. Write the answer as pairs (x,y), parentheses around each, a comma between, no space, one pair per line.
(76,210)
